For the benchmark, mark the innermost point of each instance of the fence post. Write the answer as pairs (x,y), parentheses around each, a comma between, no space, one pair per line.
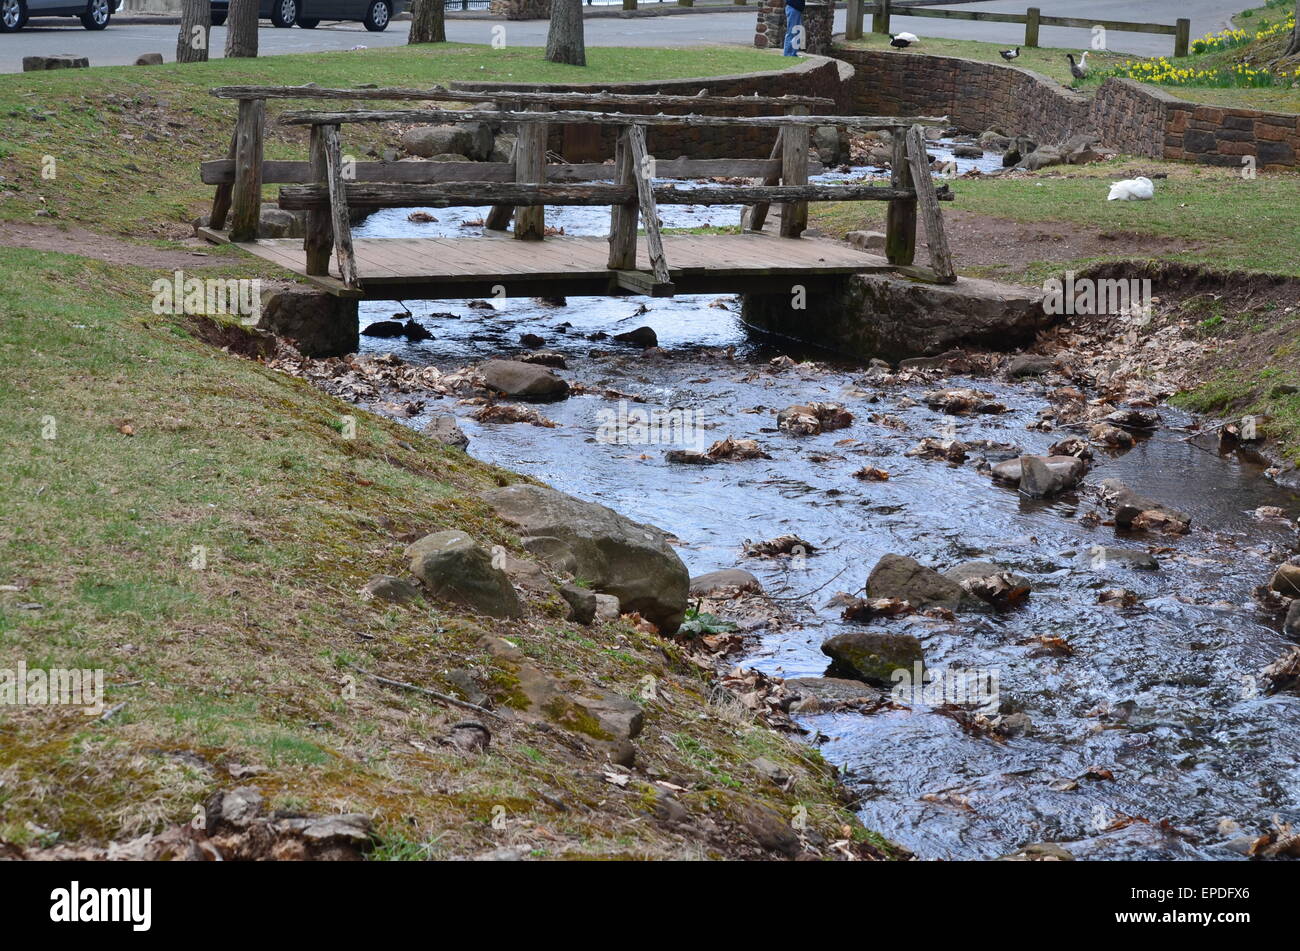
(622,218)
(247,190)
(853,20)
(686,3)
(900,228)
(880,18)
(1032,16)
(530,166)
(318,241)
(629,4)
(1183,38)
(794,171)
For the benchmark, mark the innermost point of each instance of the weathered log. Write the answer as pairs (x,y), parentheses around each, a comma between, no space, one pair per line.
(646,199)
(339,207)
(623,217)
(282,172)
(318,242)
(247,188)
(443,116)
(794,172)
(580,99)
(453,194)
(936,237)
(900,221)
(530,166)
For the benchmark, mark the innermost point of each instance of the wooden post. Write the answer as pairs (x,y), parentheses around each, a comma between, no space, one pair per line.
(247,187)
(794,171)
(686,3)
(629,4)
(754,216)
(221,200)
(339,205)
(936,238)
(853,20)
(646,199)
(1032,16)
(318,242)
(530,166)
(622,218)
(1183,38)
(880,18)
(900,228)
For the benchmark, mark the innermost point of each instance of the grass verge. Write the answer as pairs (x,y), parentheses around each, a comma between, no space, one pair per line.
(131,449)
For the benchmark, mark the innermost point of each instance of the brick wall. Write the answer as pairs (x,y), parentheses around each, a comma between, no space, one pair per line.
(810,76)
(1127,115)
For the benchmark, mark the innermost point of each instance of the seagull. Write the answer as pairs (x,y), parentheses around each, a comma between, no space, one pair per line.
(902,41)
(1009,55)
(1077,71)
(1132,189)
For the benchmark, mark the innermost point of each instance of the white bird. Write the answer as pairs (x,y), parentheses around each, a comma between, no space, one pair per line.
(1077,71)
(1132,189)
(903,40)
(1009,55)
(1083,61)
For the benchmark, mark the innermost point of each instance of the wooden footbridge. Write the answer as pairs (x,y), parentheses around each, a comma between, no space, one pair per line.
(327,187)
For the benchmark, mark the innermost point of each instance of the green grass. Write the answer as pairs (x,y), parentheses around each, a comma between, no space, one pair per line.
(1233,223)
(244,661)
(126,140)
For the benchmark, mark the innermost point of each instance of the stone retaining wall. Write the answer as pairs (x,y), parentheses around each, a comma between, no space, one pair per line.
(1127,115)
(812,76)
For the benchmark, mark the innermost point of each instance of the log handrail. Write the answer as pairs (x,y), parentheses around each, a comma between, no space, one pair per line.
(439,93)
(441,116)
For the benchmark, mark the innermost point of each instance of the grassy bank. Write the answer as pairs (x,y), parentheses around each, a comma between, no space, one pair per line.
(1208,216)
(131,447)
(124,143)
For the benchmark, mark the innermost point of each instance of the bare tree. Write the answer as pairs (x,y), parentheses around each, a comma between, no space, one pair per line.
(1293,48)
(241,29)
(428,22)
(196,25)
(564,40)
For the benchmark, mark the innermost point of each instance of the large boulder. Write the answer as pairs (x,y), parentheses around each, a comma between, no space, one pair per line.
(318,323)
(453,567)
(613,554)
(1043,476)
(524,381)
(1286,580)
(872,656)
(443,428)
(903,578)
(427,141)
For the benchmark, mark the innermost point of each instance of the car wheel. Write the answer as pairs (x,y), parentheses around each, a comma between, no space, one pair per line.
(308,24)
(377,16)
(284,13)
(97,14)
(219,19)
(13,14)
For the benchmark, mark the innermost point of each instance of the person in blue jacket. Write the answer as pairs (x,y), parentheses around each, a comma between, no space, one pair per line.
(795,39)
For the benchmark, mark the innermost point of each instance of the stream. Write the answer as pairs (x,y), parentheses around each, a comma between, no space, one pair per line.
(1143,742)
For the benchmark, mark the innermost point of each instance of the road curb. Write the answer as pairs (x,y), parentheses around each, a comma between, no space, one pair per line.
(166,19)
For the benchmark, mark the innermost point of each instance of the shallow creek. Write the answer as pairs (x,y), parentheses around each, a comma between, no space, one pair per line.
(1160,695)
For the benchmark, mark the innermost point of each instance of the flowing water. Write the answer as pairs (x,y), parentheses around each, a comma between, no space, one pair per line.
(1162,695)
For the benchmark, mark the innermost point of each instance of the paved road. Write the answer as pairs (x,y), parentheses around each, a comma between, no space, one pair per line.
(124,41)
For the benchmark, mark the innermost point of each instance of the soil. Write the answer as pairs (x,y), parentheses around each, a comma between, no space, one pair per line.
(113,250)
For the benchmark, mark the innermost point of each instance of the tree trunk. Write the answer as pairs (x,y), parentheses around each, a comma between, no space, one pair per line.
(564,42)
(241,30)
(1294,48)
(196,24)
(428,22)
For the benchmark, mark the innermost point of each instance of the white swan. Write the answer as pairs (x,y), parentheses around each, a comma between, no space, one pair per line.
(1132,189)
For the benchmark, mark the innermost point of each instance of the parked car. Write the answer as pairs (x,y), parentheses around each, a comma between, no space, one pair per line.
(94,14)
(375,14)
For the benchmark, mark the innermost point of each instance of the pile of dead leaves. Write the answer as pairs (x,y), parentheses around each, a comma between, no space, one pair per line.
(511,413)
(810,419)
(781,545)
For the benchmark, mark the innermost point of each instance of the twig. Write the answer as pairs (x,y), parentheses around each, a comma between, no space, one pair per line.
(111,712)
(441,697)
(807,594)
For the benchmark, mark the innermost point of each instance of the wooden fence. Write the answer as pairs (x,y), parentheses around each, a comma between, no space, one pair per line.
(1033,19)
